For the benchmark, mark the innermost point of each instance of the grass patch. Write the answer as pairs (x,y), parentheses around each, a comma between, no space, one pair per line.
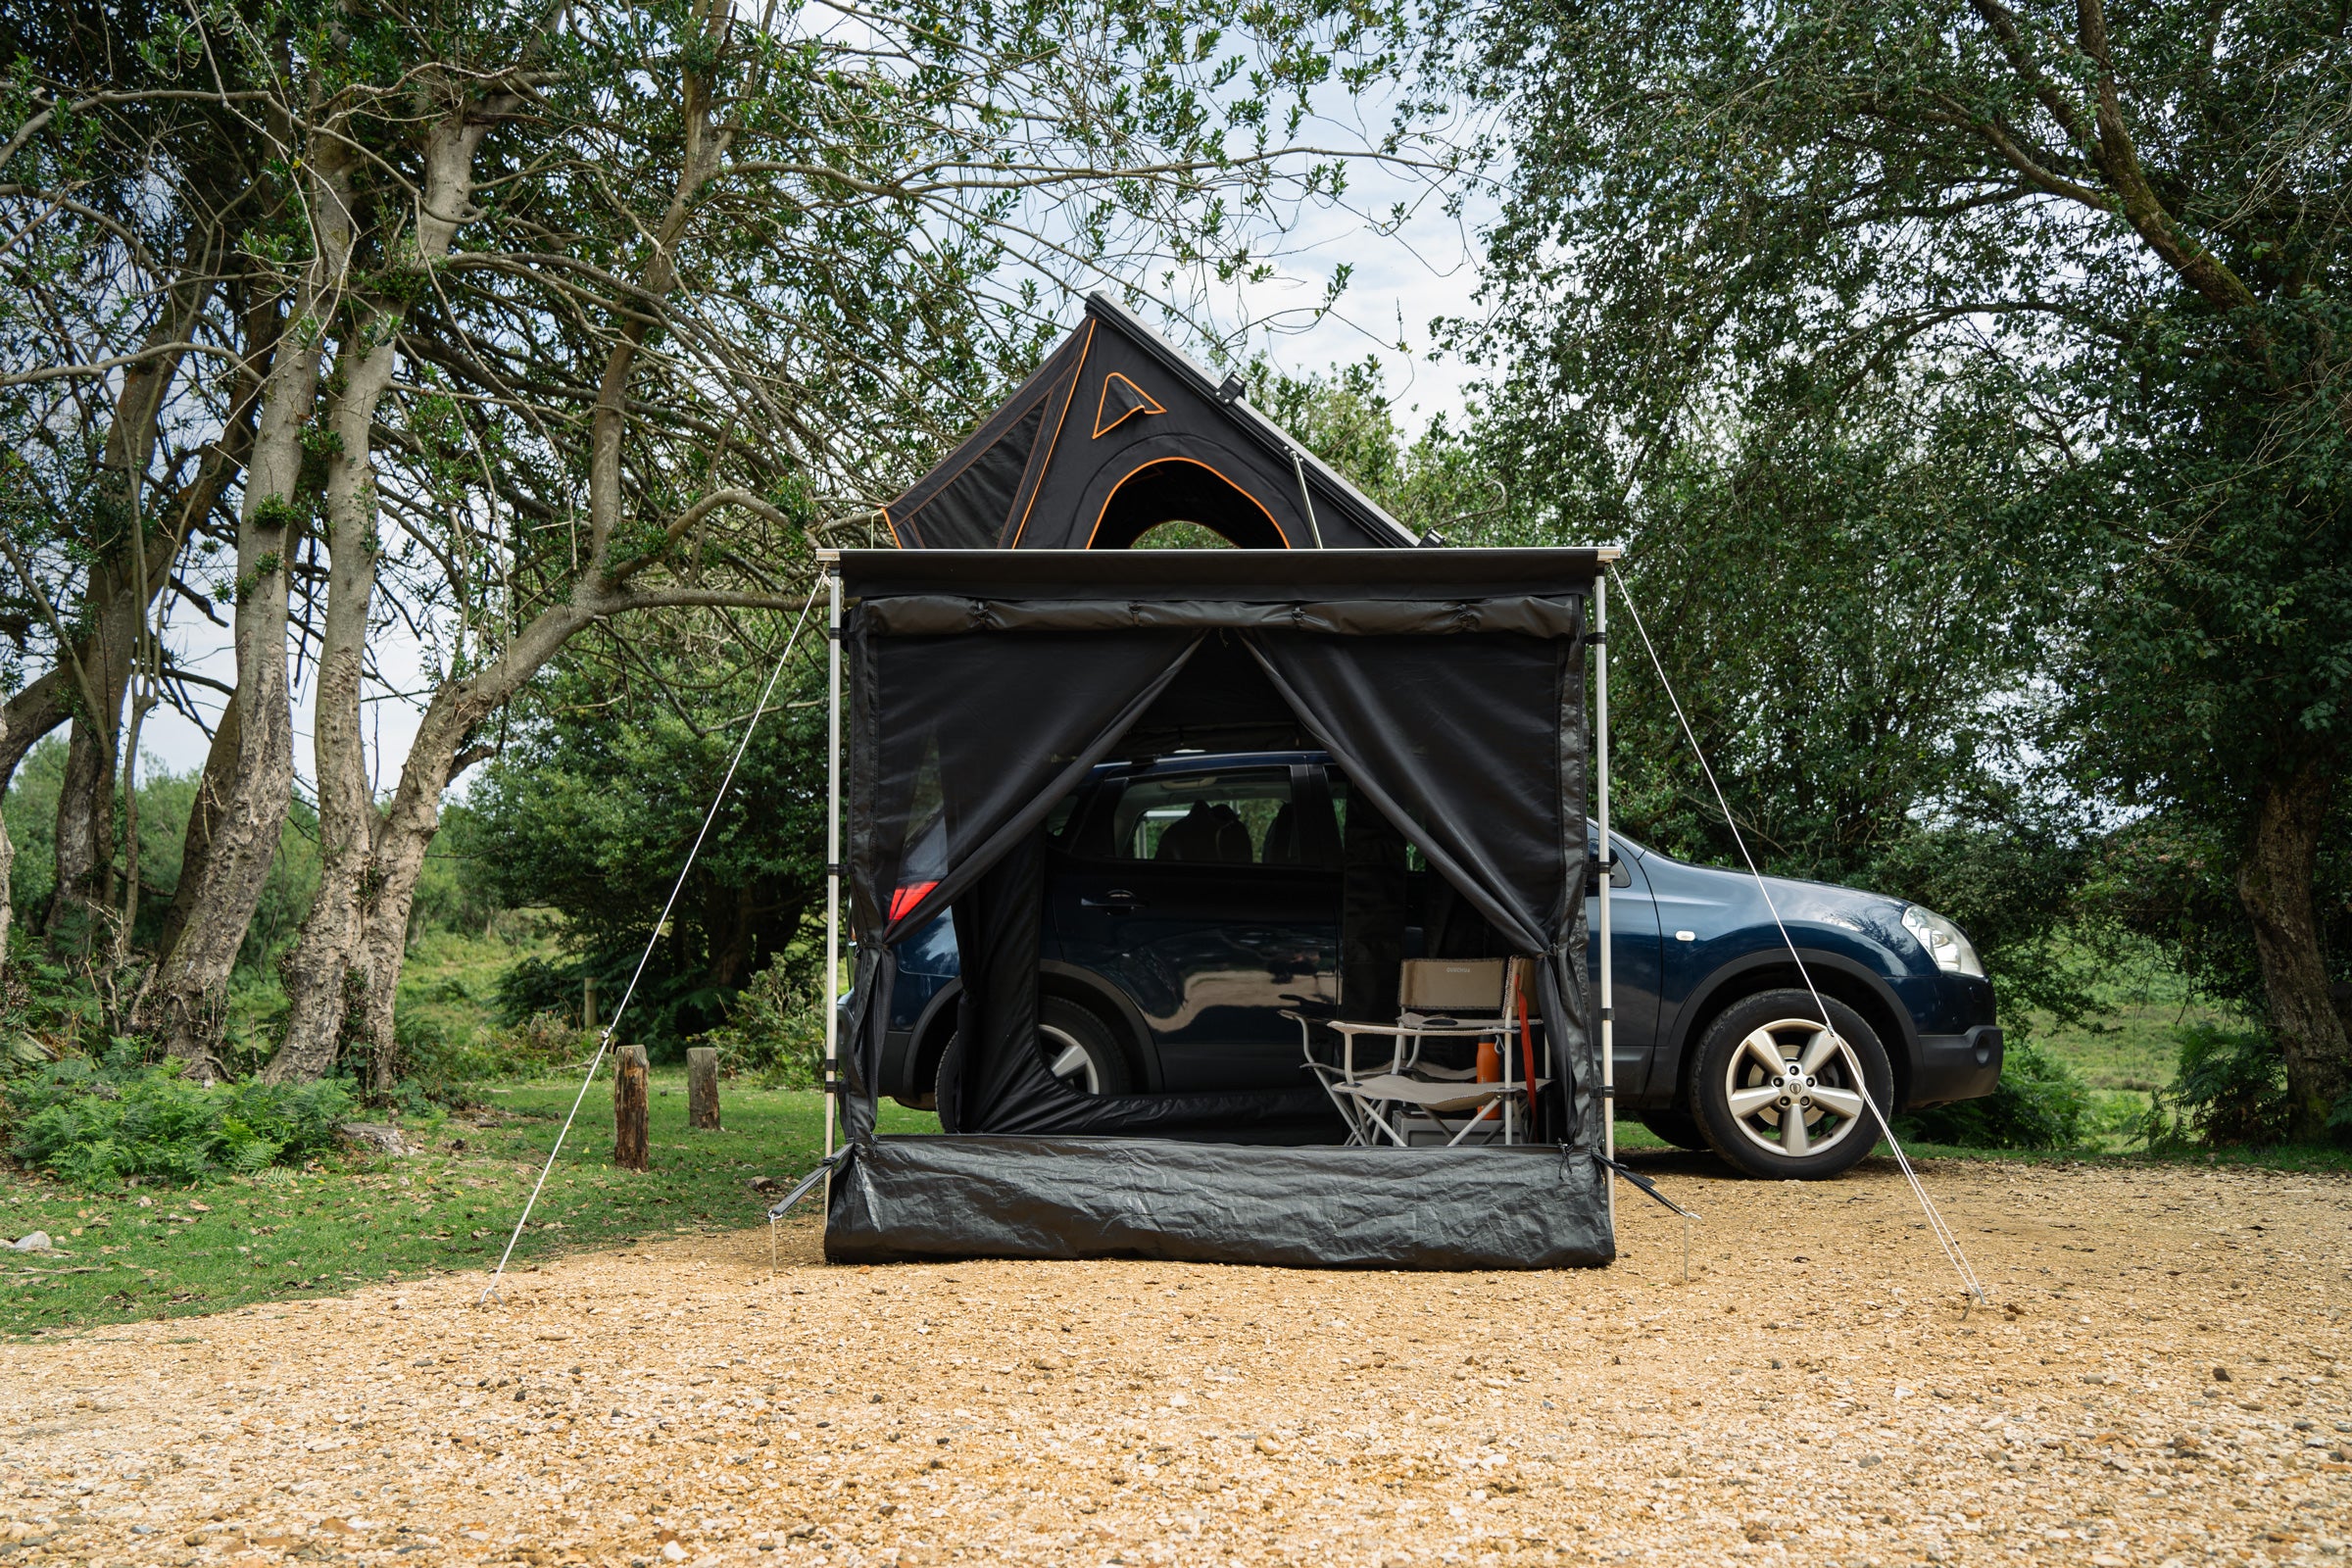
(151,1252)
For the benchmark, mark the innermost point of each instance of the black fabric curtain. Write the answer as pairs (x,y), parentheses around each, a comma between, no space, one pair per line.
(976,750)
(1473,745)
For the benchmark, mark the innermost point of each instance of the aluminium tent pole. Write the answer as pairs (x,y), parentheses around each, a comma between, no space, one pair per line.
(832,856)
(1608,990)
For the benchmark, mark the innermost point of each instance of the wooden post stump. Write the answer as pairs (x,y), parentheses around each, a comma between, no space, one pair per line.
(701,1088)
(629,1148)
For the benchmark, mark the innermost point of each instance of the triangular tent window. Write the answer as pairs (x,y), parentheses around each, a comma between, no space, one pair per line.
(1121,399)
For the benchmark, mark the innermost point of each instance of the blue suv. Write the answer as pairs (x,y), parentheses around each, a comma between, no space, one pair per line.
(1193,898)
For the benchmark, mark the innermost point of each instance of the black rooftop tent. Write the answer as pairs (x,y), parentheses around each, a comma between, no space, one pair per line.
(984,685)
(1116,433)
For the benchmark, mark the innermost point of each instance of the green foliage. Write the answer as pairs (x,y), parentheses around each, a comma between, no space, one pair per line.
(445,1066)
(46,1009)
(775,1031)
(87,1124)
(1435,481)
(2041,1103)
(599,798)
(2110,358)
(2228,1092)
(166,799)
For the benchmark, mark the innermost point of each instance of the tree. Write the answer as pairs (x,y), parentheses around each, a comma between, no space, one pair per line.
(122,196)
(2139,219)
(538,319)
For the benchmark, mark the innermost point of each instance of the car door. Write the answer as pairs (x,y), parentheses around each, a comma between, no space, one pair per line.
(1206,897)
(1637,964)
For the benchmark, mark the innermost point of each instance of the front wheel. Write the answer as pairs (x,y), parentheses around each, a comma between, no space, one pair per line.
(1078,1048)
(1777,1094)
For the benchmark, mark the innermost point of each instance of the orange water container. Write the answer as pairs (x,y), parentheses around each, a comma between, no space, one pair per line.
(1490,1061)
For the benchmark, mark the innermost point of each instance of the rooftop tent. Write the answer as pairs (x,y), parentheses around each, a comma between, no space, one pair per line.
(983,685)
(1116,433)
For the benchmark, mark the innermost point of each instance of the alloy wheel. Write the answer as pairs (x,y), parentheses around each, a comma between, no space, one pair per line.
(1069,1060)
(1791,1091)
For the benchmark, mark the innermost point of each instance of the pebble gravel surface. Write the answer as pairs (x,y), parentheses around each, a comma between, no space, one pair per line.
(2161,1379)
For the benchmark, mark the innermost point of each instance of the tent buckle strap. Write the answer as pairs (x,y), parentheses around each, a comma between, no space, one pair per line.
(837,868)
(1645,1184)
(1608,1091)
(810,1182)
(1597,639)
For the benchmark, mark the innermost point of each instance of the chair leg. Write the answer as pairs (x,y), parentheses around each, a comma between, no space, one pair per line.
(1470,1126)
(1395,1137)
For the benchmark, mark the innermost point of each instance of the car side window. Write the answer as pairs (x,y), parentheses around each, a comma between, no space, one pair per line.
(1342,795)
(1225,816)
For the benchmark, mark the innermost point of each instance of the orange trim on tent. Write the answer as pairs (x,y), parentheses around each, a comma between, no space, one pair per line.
(895,543)
(1150,404)
(1077,374)
(1197,464)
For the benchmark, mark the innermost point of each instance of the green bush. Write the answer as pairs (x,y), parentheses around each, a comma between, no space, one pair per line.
(2228,1091)
(2041,1103)
(775,1032)
(88,1124)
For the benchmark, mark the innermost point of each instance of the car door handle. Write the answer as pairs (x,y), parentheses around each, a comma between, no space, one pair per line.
(1115,898)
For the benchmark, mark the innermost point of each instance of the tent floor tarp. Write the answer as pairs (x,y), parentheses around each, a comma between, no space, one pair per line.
(907,1200)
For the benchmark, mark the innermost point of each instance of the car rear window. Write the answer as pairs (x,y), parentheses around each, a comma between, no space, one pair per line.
(1228,817)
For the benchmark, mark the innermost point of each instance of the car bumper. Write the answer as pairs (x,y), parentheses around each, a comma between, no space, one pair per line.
(1951,1067)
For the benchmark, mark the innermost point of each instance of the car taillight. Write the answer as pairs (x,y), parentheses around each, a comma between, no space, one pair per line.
(904,901)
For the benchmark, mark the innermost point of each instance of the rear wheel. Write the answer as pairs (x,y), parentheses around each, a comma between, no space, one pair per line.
(1777,1094)
(1078,1049)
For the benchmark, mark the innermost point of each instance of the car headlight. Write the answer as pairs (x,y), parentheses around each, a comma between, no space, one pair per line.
(1945,943)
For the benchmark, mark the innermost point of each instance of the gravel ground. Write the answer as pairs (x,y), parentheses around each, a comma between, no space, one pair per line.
(2160,1378)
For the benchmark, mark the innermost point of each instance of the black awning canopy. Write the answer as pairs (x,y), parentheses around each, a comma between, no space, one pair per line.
(1116,433)
(984,686)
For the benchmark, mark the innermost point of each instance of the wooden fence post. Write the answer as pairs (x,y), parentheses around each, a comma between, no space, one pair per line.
(629,1148)
(701,1088)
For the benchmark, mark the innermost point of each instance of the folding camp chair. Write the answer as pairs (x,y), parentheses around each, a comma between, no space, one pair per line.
(1414,1098)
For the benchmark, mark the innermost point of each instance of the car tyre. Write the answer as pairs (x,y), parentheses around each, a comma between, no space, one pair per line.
(1078,1048)
(1775,1097)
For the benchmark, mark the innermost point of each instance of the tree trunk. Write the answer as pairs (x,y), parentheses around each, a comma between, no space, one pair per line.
(327,976)
(119,585)
(2274,885)
(630,1104)
(85,819)
(336,970)
(29,715)
(195,850)
(702,1088)
(184,1007)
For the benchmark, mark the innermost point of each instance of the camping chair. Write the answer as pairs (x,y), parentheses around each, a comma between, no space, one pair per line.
(1440,1000)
